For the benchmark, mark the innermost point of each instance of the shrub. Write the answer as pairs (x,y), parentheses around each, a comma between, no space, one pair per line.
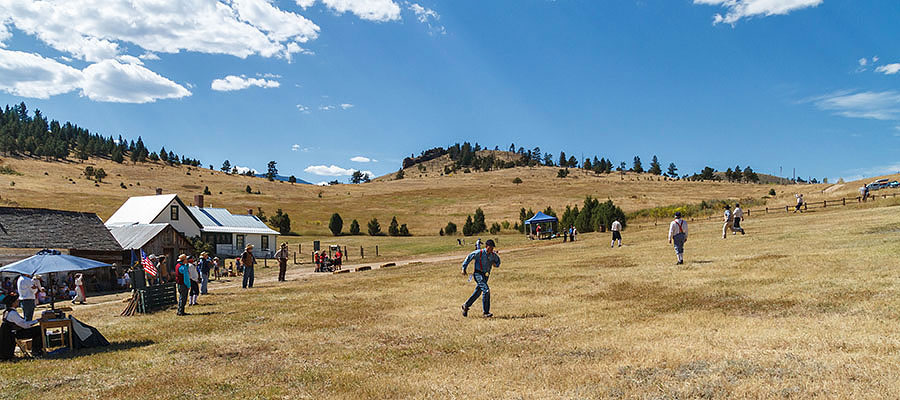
(441,232)
(450,229)
(281,221)
(354,227)
(249,190)
(562,173)
(336,224)
(505,224)
(89,172)
(404,231)
(400,174)
(517,180)
(374,227)
(495,228)
(100,174)
(479,224)
(206,191)
(468,227)
(771,192)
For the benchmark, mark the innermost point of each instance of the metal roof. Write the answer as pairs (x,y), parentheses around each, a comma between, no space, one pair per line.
(135,236)
(220,220)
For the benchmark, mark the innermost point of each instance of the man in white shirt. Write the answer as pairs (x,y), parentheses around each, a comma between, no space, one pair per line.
(738,216)
(678,232)
(26,288)
(616,229)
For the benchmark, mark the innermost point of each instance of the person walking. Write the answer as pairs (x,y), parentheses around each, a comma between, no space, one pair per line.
(574,232)
(729,221)
(678,233)
(484,259)
(205,267)
(27,288)
(282,256)
(616,229)
(194,274)
(80,294)
(799,203)
(478,244)
(248,261)
(183,282)
(738,216)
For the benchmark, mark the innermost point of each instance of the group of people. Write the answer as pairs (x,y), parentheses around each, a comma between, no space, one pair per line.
(191,278)
(733,220)
(324,263)
(32,288)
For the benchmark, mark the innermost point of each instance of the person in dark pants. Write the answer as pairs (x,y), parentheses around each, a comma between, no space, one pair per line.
(14,326)
(484,260)
(678,233)
(248,261)
(183,282)
(282,256)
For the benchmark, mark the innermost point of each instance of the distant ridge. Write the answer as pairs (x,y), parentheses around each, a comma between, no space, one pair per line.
(284,178)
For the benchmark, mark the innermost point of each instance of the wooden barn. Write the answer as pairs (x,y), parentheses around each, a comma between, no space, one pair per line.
(24,231)
(158,239)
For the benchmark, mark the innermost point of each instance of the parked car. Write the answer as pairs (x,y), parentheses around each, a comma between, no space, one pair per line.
(894,184)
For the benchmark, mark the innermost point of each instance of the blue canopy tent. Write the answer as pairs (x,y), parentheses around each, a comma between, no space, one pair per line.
(541,219)
(49,262)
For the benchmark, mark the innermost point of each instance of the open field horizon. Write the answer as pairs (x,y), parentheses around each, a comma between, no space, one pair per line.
(804,305)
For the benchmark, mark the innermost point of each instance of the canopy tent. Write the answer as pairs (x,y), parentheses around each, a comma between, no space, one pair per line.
(541,219)
(49,262)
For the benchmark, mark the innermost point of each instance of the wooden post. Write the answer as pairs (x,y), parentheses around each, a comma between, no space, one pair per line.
(376,250)
(785,208)
(361,253)
(767,210)
(748,212)
(824,203)
(346,253)
(295,258)
(843,201)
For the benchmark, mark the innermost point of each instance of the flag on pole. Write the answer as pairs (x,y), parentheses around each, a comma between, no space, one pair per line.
(148,265)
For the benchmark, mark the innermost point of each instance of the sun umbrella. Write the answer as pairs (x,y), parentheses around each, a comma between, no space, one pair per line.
(49,262)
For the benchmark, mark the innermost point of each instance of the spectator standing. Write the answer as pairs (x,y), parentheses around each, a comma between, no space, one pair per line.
(204,265)
(183,282)
(194,275)
(80,294)
(678,233)
(215,263)
(484,260)
(729,221)
(616,229)
(248,260)
(282,256)
(7,285)
(738,216)
(318,261)
(26,288)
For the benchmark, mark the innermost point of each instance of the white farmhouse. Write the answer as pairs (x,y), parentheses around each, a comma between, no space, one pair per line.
(158,209)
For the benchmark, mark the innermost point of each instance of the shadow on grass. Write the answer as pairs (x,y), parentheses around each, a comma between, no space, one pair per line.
(520,316)
(113,347)
(701,262)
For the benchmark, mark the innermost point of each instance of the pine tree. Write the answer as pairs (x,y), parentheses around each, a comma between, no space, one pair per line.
(394,227)
(655,169)
(374,227)
(673,171)
(354,227)
(117,156)
(468,227)
(226,166)
(636,166)
(271,171)
(163,154)
(479,224)
(336,224)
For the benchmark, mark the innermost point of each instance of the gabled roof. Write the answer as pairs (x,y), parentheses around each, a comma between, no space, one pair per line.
(144,209)
(55,229)
(222,221)
(135,236)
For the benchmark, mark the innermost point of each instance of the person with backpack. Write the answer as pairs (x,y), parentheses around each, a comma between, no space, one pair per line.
(183,282)
(484,260)
(678,233)
(248,261)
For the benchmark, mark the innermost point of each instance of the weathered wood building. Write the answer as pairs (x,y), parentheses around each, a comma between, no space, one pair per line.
(158,239)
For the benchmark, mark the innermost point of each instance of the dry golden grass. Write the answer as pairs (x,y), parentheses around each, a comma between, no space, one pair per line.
(426,204)
(803,306)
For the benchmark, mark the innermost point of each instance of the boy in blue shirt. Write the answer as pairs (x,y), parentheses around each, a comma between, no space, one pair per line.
(484,260)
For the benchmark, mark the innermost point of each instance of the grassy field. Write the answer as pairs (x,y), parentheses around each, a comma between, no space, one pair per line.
(805,305)
(425,203)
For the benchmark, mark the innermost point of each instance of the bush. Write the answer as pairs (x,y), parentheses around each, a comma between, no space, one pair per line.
(354,227)
(89,172)
(400,174)
(249,190)
(336,224)
(562,173)
(206,191)
(517,180)
(479,224)
(404,231)
(394,227)
(450,229)
(281,221)
(100,174)
(374,227)
(495,228)
(771,192)
(441,232)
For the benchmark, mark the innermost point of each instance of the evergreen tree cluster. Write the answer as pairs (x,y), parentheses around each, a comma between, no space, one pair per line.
(594,216)
(474,225)
(36,136)
(731,175)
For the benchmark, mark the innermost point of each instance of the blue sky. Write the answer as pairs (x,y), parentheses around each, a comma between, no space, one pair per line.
(324,87)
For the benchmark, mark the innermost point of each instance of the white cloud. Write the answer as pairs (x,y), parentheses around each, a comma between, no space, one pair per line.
(302,108)
(737,9)
(4,34)
(869,172)
(428,17)
(326,108)
(128,83)
(863,62)
(372,10)
(238,27)
(232,82)
(872,105)
(270,76)
(295,147)
(361,159)
(31,75)
(875,59)
(243,170)
(126,59)
(346,106)
(333,170)
(148,56)
(889,69)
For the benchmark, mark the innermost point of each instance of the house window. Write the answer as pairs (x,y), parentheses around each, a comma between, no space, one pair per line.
(239,241)
(173,211)
(264,242)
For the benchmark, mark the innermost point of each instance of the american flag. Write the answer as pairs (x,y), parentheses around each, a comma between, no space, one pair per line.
(148,265)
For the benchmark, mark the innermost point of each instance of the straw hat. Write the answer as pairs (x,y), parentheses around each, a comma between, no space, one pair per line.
(182,257)
(249,246)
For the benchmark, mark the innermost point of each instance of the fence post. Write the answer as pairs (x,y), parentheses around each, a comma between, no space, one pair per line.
(824,203)
(295,258)
(804,206)
(361,253)
(748,212)
(346,254)
(767,210)
(376,250)
(785,208)
(843,201)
